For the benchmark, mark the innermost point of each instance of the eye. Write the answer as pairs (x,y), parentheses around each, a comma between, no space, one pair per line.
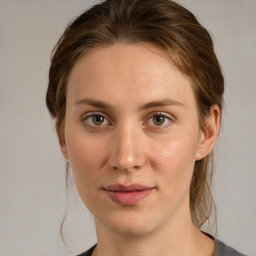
(95,120)
(159,120)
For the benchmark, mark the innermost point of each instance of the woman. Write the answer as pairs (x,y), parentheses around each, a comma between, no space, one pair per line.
(136,91)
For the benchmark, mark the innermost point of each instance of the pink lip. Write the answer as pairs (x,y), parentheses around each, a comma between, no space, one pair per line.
(128,195)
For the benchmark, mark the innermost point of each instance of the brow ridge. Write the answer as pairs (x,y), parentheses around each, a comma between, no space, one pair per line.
(152,104)
(162,103)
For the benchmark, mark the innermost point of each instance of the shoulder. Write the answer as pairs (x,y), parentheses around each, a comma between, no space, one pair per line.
(89,252)
(222,249)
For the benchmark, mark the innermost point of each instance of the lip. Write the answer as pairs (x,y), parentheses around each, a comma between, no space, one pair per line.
(128,194)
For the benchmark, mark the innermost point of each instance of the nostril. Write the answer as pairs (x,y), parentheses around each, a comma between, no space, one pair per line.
(127,169)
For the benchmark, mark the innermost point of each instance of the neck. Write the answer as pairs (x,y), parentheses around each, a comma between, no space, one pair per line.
(173,238)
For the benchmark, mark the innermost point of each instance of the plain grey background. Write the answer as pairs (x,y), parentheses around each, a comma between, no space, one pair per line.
(32,196)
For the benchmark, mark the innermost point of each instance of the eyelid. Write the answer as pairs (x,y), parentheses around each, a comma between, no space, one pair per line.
(159,113)
(95,113)
(108,119)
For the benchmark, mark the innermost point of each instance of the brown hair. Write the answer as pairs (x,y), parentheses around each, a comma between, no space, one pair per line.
(164,24)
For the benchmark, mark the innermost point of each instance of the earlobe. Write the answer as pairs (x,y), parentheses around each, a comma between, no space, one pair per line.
(61,141)
(209,134)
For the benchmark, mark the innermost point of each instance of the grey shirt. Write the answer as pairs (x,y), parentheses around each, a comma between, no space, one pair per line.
(220,249)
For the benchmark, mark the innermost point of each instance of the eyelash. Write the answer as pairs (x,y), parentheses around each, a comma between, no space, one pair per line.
(90,115)
(167,120)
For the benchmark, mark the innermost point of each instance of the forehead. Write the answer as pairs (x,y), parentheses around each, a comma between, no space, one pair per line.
(123,69)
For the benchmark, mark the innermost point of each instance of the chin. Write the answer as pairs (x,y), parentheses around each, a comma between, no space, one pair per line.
(131,229)
(129,224)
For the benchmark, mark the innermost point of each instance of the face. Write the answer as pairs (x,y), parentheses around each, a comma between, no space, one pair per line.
(132,136)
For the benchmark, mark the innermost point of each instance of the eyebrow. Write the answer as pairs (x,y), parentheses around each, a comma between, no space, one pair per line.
(152,104)
(94,103)
(162,103)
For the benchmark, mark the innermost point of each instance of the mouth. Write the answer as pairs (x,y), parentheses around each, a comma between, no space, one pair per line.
(127,195)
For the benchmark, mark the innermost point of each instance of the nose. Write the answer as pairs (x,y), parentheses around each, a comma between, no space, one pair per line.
(127,150)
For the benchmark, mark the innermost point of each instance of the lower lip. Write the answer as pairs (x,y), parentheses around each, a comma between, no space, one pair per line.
(128,198)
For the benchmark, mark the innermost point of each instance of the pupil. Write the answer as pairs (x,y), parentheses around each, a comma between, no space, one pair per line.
(159,120)
(98,120)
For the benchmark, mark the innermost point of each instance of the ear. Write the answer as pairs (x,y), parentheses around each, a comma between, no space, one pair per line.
(61,141)
(209,134)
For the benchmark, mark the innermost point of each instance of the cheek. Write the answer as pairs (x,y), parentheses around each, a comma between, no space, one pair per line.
(175,161)
(86,158)
(175,152)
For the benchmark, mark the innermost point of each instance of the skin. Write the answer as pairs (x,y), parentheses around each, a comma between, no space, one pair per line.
(128,144)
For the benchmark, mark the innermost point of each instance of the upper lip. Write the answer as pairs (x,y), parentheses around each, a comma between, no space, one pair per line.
(127,188)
